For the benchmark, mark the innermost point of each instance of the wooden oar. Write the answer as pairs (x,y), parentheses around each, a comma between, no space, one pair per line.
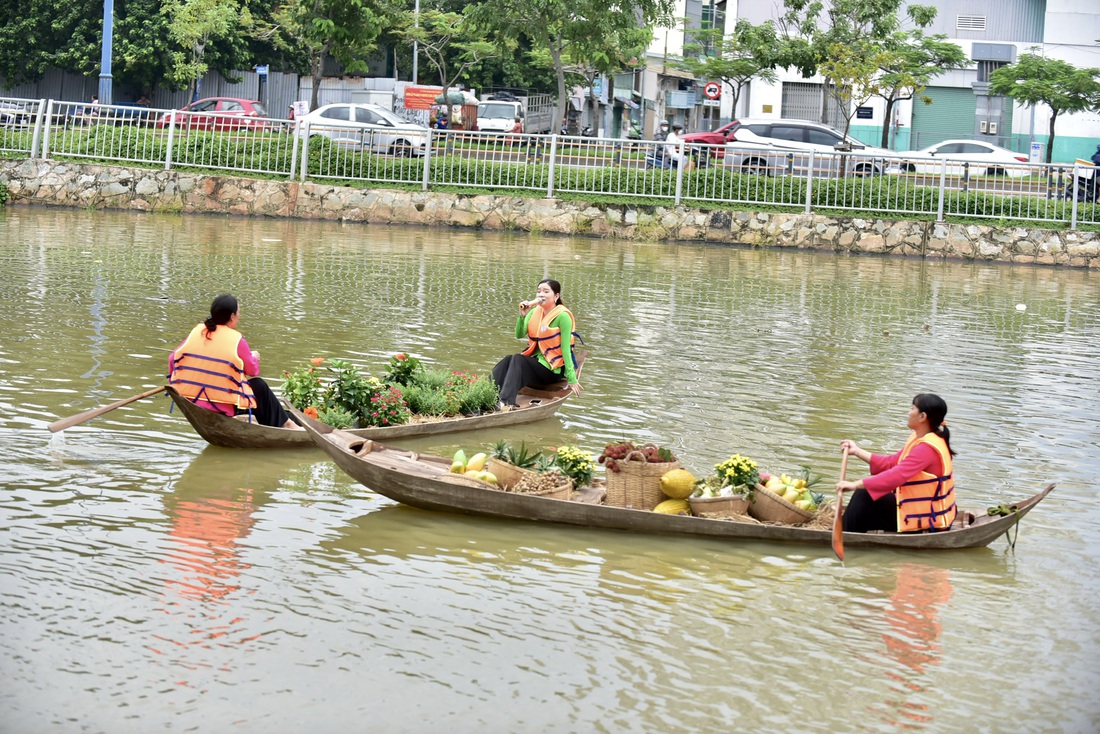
(838,521)
(87,415)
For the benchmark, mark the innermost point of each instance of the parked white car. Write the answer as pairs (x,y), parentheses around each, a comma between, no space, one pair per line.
(365,127)
(981,159)
(777,146)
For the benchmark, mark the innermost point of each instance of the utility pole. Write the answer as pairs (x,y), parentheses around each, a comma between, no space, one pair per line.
(105,89)
(416,46)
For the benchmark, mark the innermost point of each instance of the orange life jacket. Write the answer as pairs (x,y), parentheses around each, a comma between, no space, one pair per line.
(209,368)
(927,502)
(546,338)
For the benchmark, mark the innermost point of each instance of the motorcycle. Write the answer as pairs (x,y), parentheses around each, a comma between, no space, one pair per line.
(657,158)
(1084,189)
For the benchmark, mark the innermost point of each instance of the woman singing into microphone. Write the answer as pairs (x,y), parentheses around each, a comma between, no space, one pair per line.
(548,356)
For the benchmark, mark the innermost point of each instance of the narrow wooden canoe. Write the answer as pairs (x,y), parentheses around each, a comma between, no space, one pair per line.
(221,430)
(425,481)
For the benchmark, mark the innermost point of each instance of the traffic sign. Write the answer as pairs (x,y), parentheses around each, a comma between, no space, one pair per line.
(712,90)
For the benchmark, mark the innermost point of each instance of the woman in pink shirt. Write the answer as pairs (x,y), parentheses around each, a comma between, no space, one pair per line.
(924,463)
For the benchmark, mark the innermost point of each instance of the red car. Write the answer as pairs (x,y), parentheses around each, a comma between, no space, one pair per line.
(219,113)
(718,137)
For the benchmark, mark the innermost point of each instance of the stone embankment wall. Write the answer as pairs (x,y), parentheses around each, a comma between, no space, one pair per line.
(114,187)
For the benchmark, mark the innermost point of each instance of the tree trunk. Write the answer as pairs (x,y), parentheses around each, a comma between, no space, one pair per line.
(559,70)
(317,66)
(890,102)
(1050,140)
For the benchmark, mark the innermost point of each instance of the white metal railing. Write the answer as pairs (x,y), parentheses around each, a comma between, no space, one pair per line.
(855,182)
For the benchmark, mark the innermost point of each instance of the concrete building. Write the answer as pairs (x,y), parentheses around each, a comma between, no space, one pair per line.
(991,32)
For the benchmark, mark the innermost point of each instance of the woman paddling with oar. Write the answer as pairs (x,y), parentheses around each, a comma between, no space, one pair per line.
(911,490)
(215,369)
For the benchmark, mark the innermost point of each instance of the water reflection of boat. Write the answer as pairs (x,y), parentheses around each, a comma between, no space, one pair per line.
(425,481)
(221,430)
(210,510)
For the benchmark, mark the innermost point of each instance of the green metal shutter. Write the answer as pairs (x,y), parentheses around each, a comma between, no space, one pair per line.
(951,115)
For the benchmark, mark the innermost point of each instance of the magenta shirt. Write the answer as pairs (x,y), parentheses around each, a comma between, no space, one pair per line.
(251,369)
(889,474)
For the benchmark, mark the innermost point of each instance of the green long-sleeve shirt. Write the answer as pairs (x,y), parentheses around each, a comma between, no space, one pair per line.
(564,322)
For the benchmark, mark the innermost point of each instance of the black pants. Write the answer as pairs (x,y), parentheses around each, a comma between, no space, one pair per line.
(863,513)
(268,411)
(517,371)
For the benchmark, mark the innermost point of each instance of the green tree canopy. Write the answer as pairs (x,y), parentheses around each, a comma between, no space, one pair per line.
(747,53)
(1061,86)
(568,31)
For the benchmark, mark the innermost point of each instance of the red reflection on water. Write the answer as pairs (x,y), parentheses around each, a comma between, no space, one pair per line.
(206,529)
(912,640)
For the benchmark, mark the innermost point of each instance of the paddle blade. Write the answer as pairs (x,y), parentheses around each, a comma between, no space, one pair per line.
(838,520)
(76,420)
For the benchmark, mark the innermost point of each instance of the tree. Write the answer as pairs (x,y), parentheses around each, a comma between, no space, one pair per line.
(839,40)
(745,54)
(343,29)
(909,65)
(568,30)
(193,23)
(450,41)
(1061,86)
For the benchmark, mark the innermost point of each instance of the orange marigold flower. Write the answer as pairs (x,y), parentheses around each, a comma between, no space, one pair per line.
(317,361)
(311,412)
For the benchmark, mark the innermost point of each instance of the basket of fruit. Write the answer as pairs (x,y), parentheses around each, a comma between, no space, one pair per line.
(634,474)
(552,484)
(785,499)
(510,464)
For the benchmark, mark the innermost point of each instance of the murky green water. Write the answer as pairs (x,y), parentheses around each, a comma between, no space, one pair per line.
(152,583)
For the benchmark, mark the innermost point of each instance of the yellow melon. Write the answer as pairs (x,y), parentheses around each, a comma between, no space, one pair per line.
(678,484)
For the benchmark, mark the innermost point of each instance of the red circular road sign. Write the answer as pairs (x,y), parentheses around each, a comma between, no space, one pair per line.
(713,90)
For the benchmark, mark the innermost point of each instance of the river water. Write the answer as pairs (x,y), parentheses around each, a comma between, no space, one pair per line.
(150,582)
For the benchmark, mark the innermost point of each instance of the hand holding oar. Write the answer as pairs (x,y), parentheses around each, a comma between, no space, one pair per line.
(838,521)
(76,420)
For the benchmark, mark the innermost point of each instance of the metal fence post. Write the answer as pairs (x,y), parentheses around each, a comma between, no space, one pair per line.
(1073,195)
(943,190)
(47,126)
(427,161)
(810,184)
(679,171)
(553,164)
(171,141)
(305,155)
(36,137)
(294,149)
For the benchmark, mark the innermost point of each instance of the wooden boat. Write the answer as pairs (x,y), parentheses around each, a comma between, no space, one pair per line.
(425,481)
(535,404)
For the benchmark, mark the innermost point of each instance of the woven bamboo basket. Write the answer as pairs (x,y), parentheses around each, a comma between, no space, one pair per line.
(721,506)
(561,492)
(637,484)
(507,474)
(767,506)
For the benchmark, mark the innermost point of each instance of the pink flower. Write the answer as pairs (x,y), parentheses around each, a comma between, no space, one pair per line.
(401,357)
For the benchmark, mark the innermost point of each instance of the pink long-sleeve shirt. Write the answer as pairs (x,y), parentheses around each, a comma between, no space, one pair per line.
(251,369)
(888,473)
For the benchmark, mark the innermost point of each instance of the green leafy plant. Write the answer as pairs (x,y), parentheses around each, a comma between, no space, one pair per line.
(522,457)
(575,463)
(303,387)
(348,389)
(337,418)
(386,408)
(402,369)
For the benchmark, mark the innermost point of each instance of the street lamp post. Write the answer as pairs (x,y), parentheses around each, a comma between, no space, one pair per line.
(105,90)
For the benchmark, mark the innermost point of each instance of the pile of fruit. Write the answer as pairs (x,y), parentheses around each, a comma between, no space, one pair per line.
(613,453)
(795,490)
(531,483)
(472,467)
(677,485)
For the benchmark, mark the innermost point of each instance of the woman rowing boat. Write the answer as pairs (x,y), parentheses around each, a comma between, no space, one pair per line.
(215,369)
(911,490)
